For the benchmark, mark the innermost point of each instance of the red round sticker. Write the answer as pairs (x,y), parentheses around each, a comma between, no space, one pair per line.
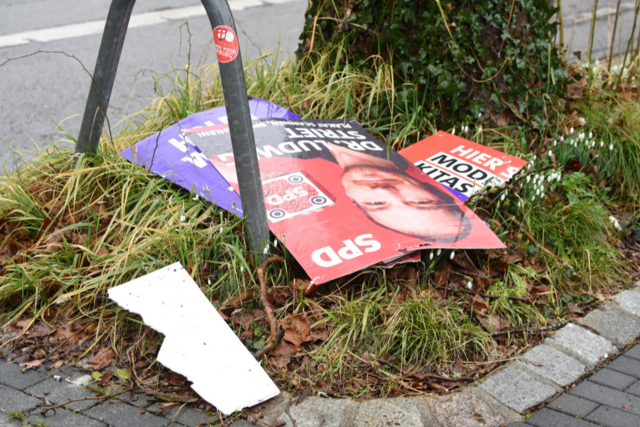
(226,43)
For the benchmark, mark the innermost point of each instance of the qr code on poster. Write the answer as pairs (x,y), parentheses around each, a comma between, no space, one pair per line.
(291,195)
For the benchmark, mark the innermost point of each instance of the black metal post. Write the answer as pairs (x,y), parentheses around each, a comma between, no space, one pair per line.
(104,75)
(235,95)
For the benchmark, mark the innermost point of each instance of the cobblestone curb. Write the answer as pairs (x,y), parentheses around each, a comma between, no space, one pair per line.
(494,401)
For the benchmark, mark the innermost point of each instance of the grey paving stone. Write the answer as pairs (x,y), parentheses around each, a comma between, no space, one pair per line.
(606,396)
(556,366)
(464,410)
(118,414)
(629,301)
(634,389)
(612,379)
(314,409)
(585,345)
(61,391)
(63,418)
(626,365)
(12,375)
(241,424)
(573,405)
(613,325)
(517,389)
(498,408)
(140,400)
(186,415)
(613,417)
(634,352)
(273,409)
(548,418)
(6,421)
(13,400)
(387,412)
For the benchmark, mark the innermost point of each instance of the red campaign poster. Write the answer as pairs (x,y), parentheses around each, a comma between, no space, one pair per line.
(461,165)
(340,200)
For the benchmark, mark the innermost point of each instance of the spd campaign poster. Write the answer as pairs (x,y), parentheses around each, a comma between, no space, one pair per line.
(340,200)
(461,165)
(169,155)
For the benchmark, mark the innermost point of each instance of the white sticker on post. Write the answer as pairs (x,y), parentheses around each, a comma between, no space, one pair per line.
(198,343)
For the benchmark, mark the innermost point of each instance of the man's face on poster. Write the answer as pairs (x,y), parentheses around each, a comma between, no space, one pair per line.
(399,202)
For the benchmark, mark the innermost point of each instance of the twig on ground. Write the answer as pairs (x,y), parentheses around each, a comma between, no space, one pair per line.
(533,239)
(295,424)
(531,330)
(104,398)
(267,348)
(470,292)
(267,307)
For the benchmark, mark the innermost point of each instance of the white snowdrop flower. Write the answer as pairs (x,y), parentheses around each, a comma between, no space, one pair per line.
(453,253)
(534,157)
(266,249)
(590,135)
(581,136)
(241,269)
(183,218)
(571,131)
(275,243)
(528,178)
(562,138)
(519,203)
(431,255)
(439,252)
(549,178)
(555,143)
(209,281)
(502,198)
(529,166)
(615,223)
(606,355)
(582,120)
(550,153)
(601,144)
(610,147)
(453,132)
(196,197)
(469,284)
(479,115)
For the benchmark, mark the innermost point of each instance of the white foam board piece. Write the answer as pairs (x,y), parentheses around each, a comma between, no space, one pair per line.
(198,343)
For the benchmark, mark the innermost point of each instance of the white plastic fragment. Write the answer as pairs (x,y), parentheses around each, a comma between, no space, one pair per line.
(198,343)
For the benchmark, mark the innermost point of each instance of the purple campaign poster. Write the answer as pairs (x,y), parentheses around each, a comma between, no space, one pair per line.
(168,154)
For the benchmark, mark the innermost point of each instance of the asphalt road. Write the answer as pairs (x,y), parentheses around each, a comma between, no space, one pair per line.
(43,85)
(52,85)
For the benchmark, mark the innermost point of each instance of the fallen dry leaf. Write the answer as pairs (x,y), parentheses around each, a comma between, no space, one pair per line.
(494,323)
(102,359)
(458,366)
(479,304)
(296,329)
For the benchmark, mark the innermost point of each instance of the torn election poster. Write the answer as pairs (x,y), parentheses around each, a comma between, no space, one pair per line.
(461,165)
(198,343)
(167,154)
(341,200)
